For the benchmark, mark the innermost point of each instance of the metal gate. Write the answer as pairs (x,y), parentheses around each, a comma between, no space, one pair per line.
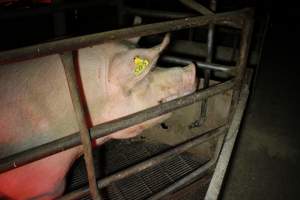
(241,20)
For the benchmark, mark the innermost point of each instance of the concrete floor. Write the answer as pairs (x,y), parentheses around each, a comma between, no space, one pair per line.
(266,162)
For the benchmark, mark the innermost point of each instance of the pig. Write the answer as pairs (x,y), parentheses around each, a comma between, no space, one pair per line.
(117,79)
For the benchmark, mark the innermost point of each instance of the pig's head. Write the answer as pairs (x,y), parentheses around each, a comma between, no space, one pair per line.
(135,73)
(127,68)
(130,81)
(164,84)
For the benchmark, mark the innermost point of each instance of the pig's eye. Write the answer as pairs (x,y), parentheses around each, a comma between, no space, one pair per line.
(140,65)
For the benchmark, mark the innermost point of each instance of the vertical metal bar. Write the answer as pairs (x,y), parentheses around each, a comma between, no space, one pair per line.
(215,185)
(241,64)
(68,62)
(207,72)
(260,52)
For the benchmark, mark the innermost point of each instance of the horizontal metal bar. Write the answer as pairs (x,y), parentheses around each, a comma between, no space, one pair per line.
(150,113)
(234,19)
(203,65)
(157,13)
(178,149)
(200,49)
(39,152)
(193,175)
(180,183)
(215,185)
(101,130)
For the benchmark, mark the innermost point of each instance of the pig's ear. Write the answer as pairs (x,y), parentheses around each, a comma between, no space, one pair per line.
(164,44)
(128,68)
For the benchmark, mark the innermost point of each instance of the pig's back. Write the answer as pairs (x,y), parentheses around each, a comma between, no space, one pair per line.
(35,104)
(35,108)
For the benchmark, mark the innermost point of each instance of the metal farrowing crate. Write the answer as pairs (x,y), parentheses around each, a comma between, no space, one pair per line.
(241,19)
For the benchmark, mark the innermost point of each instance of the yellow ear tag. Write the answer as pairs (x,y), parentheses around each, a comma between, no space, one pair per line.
(140,65)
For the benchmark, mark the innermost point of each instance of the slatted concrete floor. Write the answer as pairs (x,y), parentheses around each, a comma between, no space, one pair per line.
(121,154)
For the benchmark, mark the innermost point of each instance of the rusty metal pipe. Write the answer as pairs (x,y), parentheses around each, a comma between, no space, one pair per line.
(178,149)
(242,64)
(101,130)
(67,59)
(209,59)
(202,65)
(243,58)
(234,19)
(150,113)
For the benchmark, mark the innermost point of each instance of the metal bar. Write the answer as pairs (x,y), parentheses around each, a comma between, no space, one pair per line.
(233,19)
(242,64)
(197,7)
(198,49)
(73,140)
(209,58)
(157,13)
(178,149)
(203,111)
(203,65)
(245,43)
(260,52)
(215,185)
(150,113)
(68,63)
(207,72)
(191,176)
(237,107)
(180,183)
(246,38)
(39,152)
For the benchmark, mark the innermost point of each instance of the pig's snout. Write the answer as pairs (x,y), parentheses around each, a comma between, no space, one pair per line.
(181,82)
(189,80)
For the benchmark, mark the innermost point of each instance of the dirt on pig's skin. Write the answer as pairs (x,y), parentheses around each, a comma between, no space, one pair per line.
(36,107)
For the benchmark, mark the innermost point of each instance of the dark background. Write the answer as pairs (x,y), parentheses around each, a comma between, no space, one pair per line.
(266,160)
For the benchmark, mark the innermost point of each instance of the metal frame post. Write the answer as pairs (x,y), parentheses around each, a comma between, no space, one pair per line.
(67,59)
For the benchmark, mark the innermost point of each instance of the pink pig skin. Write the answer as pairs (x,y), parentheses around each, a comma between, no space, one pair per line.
(37,108)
